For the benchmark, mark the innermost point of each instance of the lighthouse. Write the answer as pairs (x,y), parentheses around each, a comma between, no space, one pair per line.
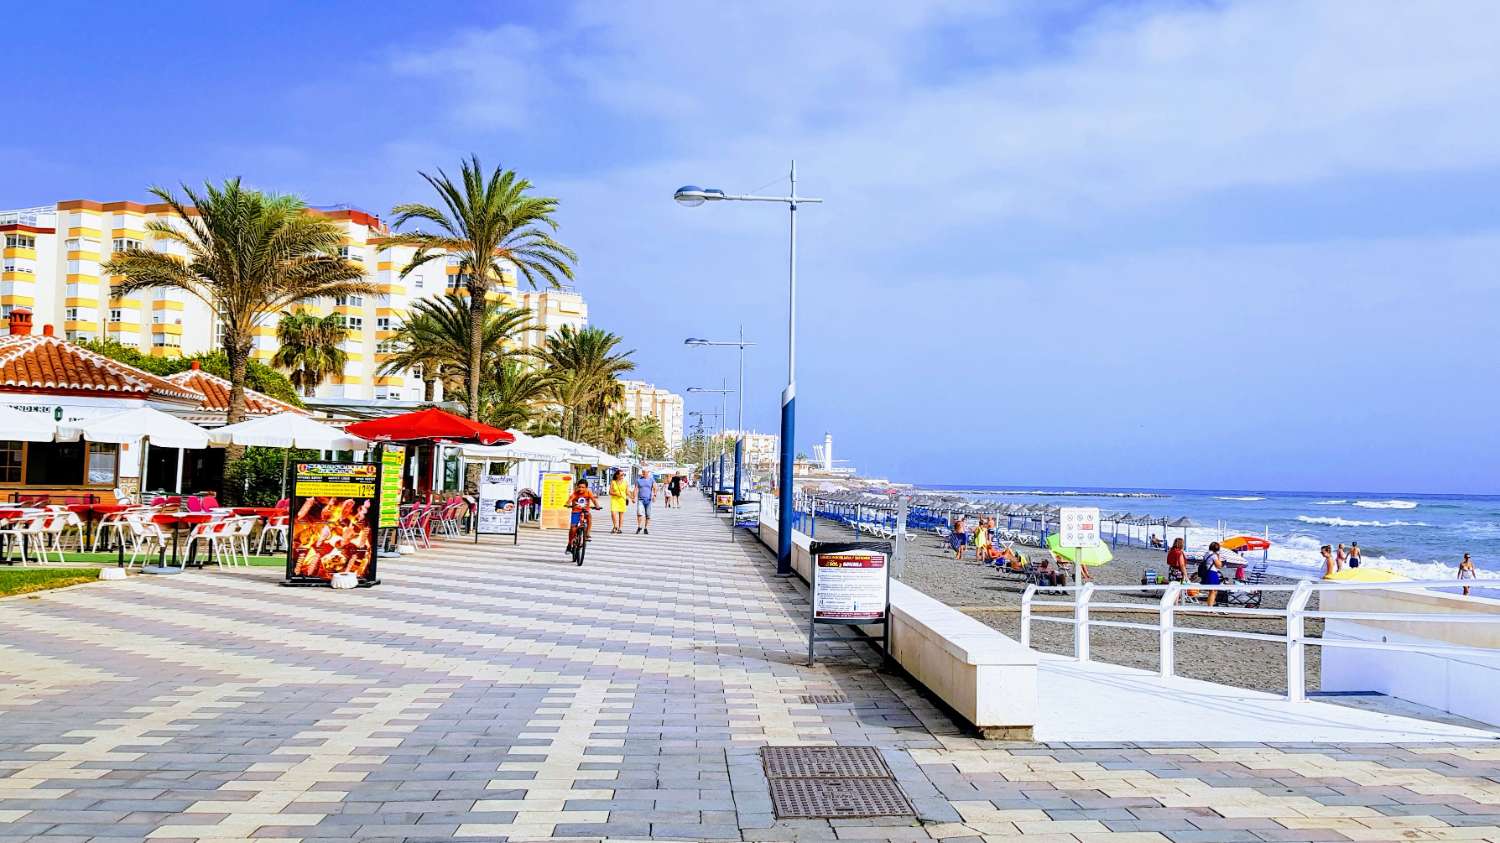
(828,452)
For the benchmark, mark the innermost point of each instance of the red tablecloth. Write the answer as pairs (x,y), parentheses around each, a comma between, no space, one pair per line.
(174,519)
(261,511)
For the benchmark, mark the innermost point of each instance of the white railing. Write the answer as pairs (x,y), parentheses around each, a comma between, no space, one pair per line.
(1296,613)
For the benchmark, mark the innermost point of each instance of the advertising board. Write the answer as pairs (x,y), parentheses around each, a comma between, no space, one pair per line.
(335,513)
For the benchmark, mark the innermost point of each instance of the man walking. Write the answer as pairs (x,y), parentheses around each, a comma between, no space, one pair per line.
(644,491)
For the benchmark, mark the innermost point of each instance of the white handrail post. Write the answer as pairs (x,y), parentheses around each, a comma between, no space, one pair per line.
(1081,621)
(1026,597)
(1296,670)
(1168,623)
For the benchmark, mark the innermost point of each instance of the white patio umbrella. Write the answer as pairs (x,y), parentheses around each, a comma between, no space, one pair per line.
(287,431)
(30,427)
(144,425)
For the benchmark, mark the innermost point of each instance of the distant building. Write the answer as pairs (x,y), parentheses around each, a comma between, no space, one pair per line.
(643,399)
(52,256)
(762,450)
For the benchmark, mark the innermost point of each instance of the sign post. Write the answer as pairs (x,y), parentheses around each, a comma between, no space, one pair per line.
(1078,528)
(851,586)
(496,513)
(335,516)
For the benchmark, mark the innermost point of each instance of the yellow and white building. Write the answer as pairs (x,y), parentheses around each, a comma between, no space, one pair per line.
(762,450)
(643,399)
(51,264)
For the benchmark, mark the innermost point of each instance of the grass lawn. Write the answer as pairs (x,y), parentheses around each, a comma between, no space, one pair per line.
(109,559)
(23,580)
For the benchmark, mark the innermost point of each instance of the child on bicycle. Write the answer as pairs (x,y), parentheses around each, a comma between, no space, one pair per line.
(580,502)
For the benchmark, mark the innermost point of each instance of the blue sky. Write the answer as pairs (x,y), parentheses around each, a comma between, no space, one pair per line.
(1179,244)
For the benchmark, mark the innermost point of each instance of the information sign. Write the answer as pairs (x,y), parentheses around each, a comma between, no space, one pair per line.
(497,506)
(335,512)
(392,474)
(851,584)
(556,487)
(1078,526)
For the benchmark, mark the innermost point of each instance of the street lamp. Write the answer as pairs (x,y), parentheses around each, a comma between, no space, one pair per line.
(723,392)
(739,439)
(703,444)
(692,196)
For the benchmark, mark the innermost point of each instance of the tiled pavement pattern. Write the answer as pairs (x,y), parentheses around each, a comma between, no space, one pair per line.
(498,692)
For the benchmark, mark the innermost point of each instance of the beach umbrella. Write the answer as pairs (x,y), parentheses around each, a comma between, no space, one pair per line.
(1096,554)
(30,427)
(1183,522)
(1365,575)
(145,425)
(286,431)
(1244,543)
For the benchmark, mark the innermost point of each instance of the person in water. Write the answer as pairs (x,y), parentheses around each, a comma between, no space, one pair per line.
(1466,572)
(1354,555)
(1327,561)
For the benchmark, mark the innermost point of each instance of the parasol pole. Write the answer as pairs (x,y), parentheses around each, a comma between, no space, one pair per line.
(286,456)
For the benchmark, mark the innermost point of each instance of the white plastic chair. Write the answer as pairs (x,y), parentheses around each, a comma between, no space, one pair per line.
(143,534)
(275,526)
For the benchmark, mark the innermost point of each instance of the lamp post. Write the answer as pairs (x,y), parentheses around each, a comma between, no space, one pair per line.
(702,446)
(739,439)
(692,197)
(723,393)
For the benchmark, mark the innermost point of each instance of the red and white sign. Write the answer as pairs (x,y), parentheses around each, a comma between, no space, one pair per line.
(850,585)
(1078,526)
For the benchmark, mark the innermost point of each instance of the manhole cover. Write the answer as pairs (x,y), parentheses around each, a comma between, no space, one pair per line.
(821,699)
(832,798)
(823,762)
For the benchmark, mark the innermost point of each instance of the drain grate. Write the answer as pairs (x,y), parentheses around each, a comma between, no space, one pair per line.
(829,782)
(833,798)
(823,699)
(824,762)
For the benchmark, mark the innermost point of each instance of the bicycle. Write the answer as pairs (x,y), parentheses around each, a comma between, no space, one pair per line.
(578,535)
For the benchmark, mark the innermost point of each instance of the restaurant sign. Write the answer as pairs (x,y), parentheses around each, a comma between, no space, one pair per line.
(335,513)
(556,489)
(851,584)
(392,473)
(497,507)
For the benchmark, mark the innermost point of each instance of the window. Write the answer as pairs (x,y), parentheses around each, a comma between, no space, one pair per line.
(354,323)
(416,281)
(71,314)
(13,265)
(73,244)
(19,241)
(349,301)
(116,315)
(351,253)
(383,323)
(78,336)
(123,243)
(166,341)
(103,459)
(386,347)
(11,454)
(55,464)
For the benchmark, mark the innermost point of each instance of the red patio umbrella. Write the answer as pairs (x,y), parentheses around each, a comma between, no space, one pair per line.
(429,424)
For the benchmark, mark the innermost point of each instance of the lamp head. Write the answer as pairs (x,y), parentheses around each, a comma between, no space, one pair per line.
(692,196)
(694,341)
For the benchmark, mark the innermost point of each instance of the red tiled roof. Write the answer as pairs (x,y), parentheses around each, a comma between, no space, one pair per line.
(30,363)
(215,391)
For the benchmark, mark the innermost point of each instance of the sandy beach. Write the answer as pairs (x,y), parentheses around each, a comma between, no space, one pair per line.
(995,599)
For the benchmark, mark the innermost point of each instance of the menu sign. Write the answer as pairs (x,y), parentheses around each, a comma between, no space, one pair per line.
(335,514)
(392,474)
(497,506)
(556,487)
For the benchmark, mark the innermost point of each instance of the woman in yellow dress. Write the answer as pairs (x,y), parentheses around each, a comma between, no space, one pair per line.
(619,498)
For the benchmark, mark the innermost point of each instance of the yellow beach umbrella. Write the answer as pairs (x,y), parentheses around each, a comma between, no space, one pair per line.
(1365,575)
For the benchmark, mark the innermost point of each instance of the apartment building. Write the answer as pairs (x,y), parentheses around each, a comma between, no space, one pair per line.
(643,399)
(762,450)
(51,264)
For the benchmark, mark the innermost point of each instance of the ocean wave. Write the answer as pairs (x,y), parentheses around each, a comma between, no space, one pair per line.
(1350,522)
(1390,504)
(1300,554)
(1334,502)
(1238,498)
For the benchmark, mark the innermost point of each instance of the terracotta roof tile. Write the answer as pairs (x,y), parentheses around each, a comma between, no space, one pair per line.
(215,391)
(45,362)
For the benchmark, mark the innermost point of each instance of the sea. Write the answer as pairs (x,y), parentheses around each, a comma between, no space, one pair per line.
(1417,536)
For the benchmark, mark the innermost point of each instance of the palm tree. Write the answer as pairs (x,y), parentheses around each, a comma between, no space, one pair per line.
(249,255)
(650,441)
(514,394)
(587,370)
(487,224)
(437,338)
(310,348)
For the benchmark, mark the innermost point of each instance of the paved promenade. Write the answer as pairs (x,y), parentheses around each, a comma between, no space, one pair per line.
(496,692)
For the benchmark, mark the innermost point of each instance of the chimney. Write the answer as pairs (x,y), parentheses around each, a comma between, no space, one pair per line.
(47,330)
(20,321)
(196,365)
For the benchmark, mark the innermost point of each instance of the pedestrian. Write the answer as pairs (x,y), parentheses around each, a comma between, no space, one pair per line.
(1338,558)
(1211,571)
(958,538)
(1327,561)
(619,500)
(1466,571)
(1177,562)
(674,490)
(982,540)
(1354,555)
(645,490)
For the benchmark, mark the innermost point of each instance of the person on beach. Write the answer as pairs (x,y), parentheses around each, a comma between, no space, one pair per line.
(1338,558)
(1050,575)
(619,500)
(1354,555)
(958,539)
(1177,562)
(1211,571)
(1328,568)
(982,541)
(644,490)
(1466,572)
(1156,541)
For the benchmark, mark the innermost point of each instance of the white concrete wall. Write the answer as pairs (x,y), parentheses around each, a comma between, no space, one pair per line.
(1460,684)
(986,677)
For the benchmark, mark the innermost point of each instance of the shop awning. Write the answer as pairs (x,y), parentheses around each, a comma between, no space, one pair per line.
(430,424)
(162,429)
(17,426)
(287,430)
